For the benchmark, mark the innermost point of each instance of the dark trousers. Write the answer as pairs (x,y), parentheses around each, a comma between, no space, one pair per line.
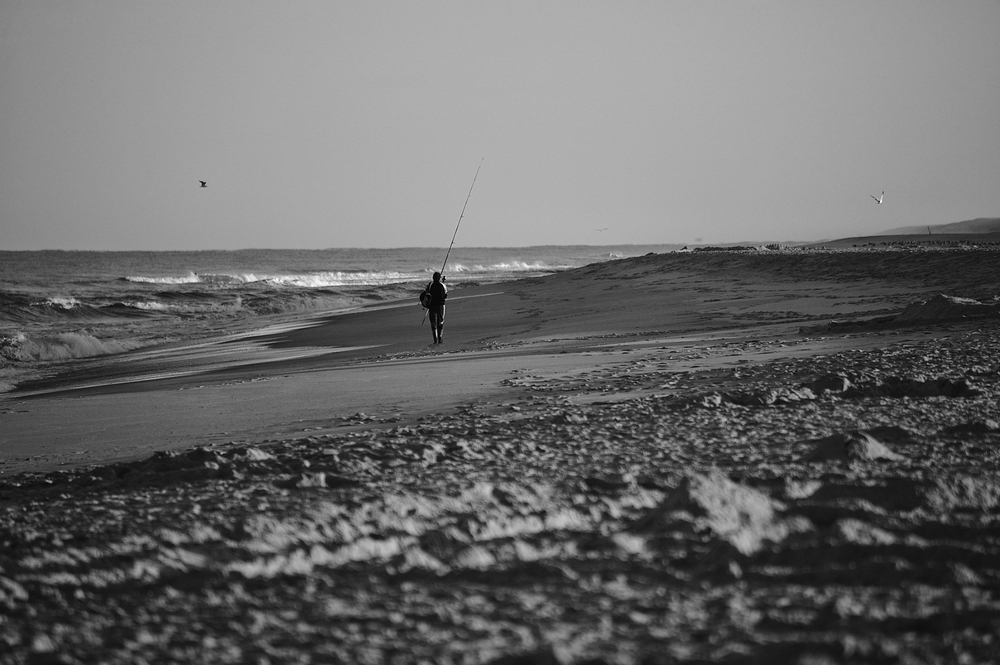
(437,321)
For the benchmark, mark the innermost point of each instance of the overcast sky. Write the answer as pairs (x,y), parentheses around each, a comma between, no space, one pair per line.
(361,124)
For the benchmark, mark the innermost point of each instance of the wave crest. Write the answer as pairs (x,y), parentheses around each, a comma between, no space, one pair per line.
(190,278)
(60,302)
(146,305)
(342,278)
(63,346)
(508,266)
(305,280)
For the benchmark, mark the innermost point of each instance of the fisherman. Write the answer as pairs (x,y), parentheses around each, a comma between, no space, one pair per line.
(438,294)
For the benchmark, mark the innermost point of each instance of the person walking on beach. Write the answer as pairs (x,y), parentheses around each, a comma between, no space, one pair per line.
(438,294)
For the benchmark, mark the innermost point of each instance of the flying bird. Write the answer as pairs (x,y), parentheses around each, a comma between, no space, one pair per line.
(602,230)
(877,200)
(205,184)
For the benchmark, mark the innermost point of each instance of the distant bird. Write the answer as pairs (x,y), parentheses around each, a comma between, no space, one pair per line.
(879,199)
(602,230)
(205,184)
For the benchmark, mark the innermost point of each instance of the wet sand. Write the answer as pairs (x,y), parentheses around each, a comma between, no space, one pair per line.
(640,461)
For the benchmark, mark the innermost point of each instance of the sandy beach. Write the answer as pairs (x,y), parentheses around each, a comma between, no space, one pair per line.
(709,456)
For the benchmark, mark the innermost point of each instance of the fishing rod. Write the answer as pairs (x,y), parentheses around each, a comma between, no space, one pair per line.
(457,226)
(454,235)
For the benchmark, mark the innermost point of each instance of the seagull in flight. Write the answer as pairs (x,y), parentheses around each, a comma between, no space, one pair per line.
(602,230)
(205,184)
(877,200)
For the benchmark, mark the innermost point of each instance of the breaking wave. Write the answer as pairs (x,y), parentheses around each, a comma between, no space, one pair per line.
(302,280)
(190,278)
(61,346)
(343,278)
(508,267)
(20,309)
(62,302)
(147,306)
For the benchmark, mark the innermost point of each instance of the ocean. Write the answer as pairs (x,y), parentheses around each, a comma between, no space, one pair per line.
(60,308)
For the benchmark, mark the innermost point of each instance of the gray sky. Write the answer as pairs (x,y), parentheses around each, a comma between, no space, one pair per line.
(361,124)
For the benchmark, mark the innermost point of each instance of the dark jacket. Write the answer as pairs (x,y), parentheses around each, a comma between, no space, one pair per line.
(439,293)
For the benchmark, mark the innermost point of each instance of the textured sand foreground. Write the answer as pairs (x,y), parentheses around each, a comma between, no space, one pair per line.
(642,461)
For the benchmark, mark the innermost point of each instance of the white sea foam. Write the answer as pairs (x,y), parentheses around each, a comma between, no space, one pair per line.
(190,278)
(64,302)
(327,279)
(337,278)
(62,346)
(148,306)
(237,304)
(507,267)
(303,280)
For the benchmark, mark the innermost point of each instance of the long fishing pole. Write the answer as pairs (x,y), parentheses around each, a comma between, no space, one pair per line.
(457,226)
(454,235)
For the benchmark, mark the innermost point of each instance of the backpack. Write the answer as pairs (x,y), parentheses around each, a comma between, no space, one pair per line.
(425,298)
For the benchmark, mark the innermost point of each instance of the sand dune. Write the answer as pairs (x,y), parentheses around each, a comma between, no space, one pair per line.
(643,461)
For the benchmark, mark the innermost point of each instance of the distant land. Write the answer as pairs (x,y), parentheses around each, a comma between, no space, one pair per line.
(909,240)
(979,231)
(979,225)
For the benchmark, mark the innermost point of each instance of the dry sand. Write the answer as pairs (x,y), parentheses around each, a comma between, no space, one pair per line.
(639,461)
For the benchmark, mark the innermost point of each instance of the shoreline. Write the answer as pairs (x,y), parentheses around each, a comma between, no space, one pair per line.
(647,301)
